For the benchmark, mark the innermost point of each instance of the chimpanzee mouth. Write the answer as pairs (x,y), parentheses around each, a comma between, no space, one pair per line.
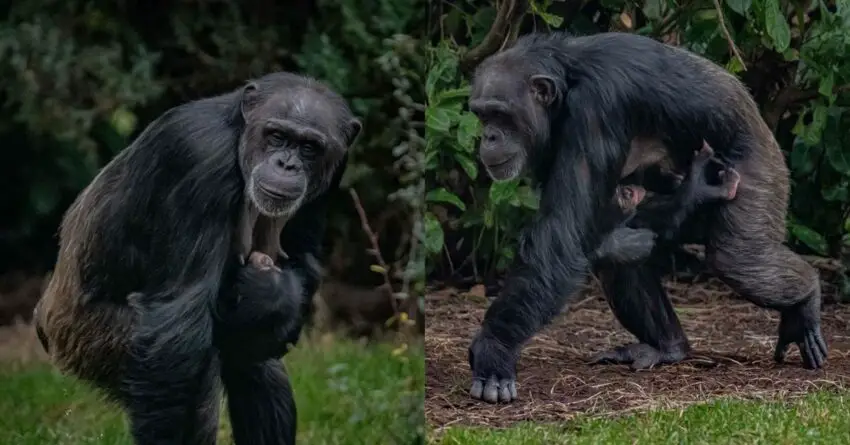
(278,194)
(274,203)
(502,164)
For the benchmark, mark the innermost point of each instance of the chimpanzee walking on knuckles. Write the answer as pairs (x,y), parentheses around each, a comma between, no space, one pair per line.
(580,114)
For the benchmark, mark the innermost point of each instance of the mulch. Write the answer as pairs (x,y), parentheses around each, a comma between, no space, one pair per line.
(733,348)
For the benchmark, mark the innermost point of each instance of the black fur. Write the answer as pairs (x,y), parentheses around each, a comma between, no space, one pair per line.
(154,233)
(611,88)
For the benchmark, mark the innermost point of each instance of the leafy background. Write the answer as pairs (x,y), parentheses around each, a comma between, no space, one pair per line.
(794,56)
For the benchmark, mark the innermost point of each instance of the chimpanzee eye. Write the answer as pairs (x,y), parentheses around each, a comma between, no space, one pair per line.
(276,138)
(309,149)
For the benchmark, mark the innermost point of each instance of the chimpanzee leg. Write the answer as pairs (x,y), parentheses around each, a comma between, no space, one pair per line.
(167,370)
(640,303)
(260,403)
(207,408)
(746,249)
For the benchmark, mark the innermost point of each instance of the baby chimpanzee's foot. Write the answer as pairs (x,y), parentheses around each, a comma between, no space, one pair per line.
(730,178)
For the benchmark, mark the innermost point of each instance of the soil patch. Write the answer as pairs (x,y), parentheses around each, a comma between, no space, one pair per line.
(733,348)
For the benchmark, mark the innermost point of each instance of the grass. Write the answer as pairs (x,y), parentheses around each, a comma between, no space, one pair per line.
(819,418)
(346,392)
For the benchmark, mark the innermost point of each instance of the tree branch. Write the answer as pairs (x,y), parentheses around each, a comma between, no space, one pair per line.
(375,251)
(732,47)
(509,15)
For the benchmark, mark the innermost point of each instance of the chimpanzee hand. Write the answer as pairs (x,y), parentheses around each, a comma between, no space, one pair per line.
(625,245)
(801,325)
(493,370)
(255,318)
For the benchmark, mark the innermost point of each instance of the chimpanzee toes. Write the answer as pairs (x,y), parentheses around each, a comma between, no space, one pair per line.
(477,389)
(493,390)
(780,351)
(617,355)
(731,178)
(813,350)
(508,390)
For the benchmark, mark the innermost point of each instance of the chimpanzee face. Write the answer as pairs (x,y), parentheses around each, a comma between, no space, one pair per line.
(293,141)
(513,110)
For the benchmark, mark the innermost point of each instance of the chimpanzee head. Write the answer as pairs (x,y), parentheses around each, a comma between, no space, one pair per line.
(513,102)
(297,132)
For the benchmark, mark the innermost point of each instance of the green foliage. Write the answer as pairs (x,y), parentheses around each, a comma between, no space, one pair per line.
(795,58)
(495,211)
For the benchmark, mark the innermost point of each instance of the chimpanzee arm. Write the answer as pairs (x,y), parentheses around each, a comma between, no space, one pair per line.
(302,239)
(552,260)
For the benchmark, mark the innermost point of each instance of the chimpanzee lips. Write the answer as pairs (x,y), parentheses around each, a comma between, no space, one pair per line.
(276,193)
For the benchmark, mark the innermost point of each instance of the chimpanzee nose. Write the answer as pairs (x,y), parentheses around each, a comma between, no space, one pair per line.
(287,164)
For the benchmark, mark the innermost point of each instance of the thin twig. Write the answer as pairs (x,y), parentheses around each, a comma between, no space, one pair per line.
(375,250)
(732,47)
(508,16)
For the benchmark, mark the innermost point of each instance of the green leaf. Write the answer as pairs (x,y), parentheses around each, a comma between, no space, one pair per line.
(777,27)
(468,130)
(814,132)
(839,157)
(526,197)
(827,83)
(443,195)
(467,164)
(802,157)
(440,119)
(503,191)
(452,96)
(654,9)
(740,6)
(837,193)
(123,121)
(434,237)
(377,269)
(552,20)
(812,239)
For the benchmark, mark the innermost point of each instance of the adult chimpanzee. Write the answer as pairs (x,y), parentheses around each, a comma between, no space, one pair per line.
(148,299)
(575,111)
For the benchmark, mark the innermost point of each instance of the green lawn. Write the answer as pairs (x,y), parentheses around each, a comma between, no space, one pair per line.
(821,418)
(347,393)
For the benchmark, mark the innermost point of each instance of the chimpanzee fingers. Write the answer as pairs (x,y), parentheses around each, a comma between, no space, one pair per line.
(617,355)
(477,389)
(491,390)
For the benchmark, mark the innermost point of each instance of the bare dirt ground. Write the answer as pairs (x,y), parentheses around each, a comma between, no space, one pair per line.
(732,340)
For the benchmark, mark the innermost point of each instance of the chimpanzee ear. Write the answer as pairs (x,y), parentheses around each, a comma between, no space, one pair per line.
(249,98)
(544,89)
(354,129)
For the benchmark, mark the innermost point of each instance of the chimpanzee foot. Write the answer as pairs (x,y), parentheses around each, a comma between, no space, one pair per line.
(801,325)
(638,356)
(493,370)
